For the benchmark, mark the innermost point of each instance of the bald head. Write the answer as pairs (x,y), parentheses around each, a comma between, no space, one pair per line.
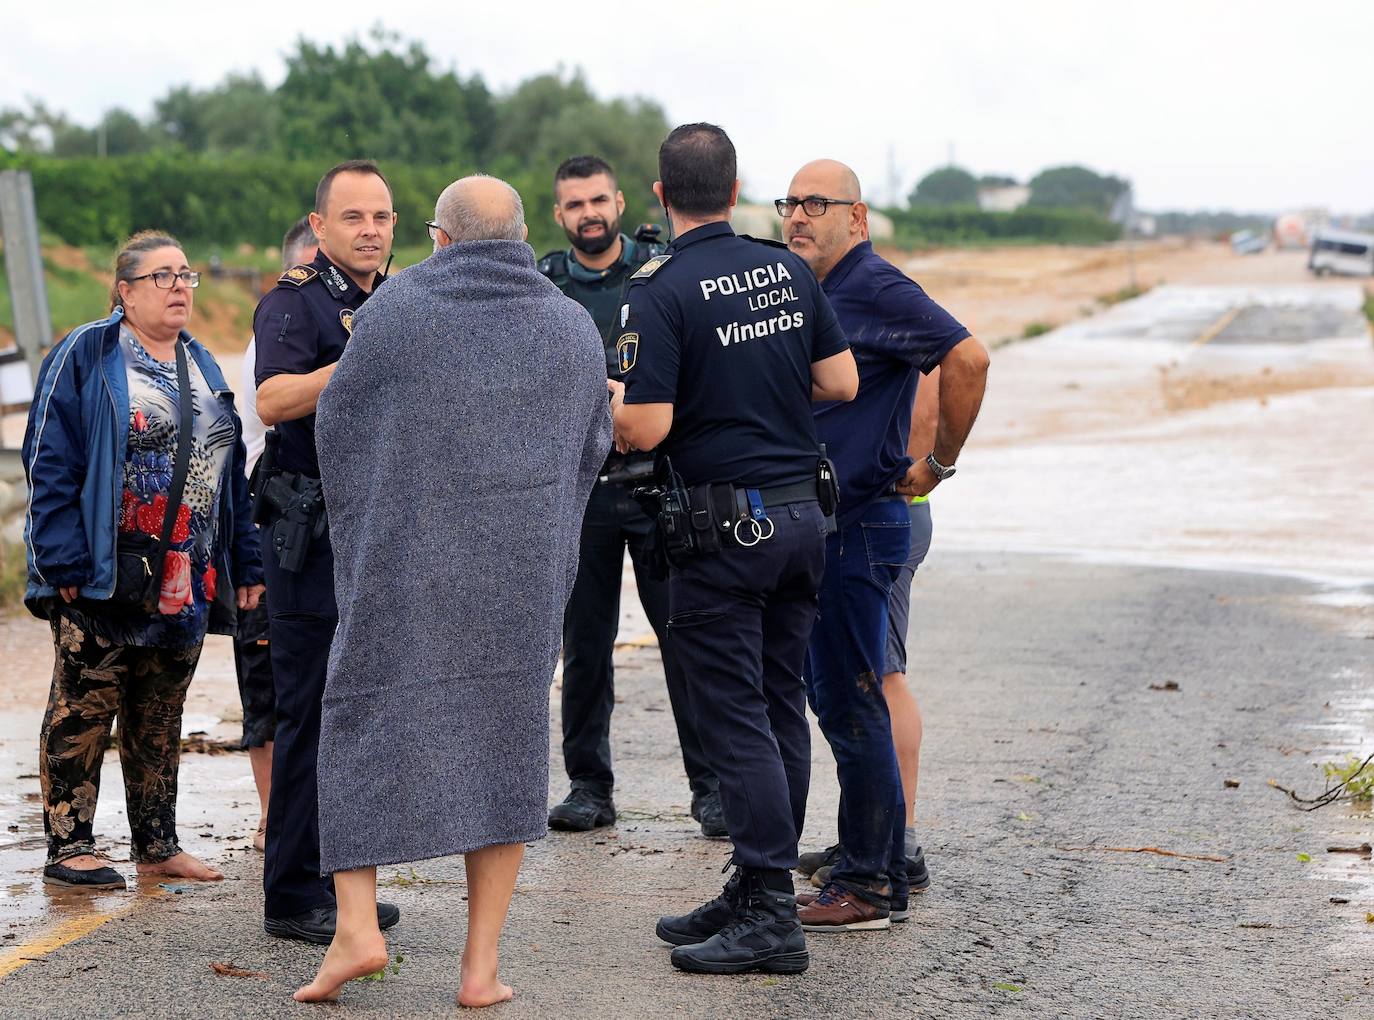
(830,177)
(480,208)
(842,222)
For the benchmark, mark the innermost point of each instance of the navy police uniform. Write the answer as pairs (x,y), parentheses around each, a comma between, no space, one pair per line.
(612,521)
(725,328)
(301,325)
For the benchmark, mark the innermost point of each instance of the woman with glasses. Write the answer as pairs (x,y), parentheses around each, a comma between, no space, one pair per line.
(139,542)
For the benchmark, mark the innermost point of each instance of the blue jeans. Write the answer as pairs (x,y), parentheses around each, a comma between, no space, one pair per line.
(844,687)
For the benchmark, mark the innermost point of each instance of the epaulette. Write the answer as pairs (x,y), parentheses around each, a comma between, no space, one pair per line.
(554,265)
(764,240)
(298,276)
(651,267)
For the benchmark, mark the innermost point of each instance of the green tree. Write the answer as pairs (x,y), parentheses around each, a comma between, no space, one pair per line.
(950,185)
(384,102)
(1075,187)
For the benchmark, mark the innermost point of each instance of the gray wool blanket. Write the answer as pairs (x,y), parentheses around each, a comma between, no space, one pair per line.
(458,440)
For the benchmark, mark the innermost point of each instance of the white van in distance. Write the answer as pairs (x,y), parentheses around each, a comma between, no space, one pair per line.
(1342,251)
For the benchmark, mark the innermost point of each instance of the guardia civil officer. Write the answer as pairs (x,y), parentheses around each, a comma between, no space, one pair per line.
(727,342)
(301,327)
(594,272)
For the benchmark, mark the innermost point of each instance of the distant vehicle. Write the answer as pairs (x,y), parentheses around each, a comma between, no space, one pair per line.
(1248,242)
(1292,230)
(1342,251)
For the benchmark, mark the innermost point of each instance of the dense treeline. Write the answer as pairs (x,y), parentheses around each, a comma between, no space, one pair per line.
(239,161)
(969,224)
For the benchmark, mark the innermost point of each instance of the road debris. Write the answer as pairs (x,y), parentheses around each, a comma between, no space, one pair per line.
(1146,850)
(229,970)
(1167,685)
(1230,784)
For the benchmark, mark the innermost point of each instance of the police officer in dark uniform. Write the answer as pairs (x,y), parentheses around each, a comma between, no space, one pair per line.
(301,327)
(594,272)
(727,342)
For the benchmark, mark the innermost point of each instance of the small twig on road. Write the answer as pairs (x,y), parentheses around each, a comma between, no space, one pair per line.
(229,970)
(1149,850)
(1331,795)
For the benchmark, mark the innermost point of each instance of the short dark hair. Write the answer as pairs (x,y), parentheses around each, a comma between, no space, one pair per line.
(696,165)
(299,236)
(352,166)
(580,168)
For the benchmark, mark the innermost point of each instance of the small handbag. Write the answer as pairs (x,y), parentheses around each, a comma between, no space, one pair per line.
(139,559)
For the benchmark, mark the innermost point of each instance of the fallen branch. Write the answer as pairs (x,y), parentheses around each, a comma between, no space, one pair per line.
(1149,850)
(1331,795)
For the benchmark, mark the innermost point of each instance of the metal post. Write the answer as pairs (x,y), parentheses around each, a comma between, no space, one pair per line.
(24,264)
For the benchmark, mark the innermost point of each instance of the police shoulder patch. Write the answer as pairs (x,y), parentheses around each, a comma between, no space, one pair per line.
(764,240)
(627,351)
(651,267)
(298,275)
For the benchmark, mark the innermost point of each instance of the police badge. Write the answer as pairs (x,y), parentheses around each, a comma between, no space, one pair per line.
(627,349)
(346,320)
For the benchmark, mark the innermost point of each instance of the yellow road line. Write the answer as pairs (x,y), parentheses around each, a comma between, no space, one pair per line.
(65,933)
(1211,332)
(68,931)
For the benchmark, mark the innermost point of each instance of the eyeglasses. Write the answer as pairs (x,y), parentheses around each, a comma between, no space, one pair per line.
(434,229)
(814,205)
(164,279)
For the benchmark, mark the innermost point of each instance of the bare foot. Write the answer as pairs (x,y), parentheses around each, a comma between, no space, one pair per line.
(479,986)
(260,837)
(347,958)
(183,865)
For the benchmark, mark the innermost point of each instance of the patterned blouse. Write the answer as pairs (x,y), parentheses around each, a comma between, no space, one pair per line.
(188,573)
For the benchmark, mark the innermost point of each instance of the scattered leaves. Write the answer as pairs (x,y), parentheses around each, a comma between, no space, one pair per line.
(1230,784)
(1007,986)
(1167,685)
(1305,858)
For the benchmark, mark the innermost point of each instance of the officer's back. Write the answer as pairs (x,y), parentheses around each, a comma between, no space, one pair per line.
(727,341)
(752,322)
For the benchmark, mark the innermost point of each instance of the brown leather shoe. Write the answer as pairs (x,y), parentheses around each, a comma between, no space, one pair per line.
(836,909)
(807,898)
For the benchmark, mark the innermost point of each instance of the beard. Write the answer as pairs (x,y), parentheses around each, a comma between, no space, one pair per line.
(593,245)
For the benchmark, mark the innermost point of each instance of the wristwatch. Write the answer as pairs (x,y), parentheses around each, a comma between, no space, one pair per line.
(940,471)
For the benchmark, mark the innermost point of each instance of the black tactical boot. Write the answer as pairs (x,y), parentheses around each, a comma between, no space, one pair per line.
(764,935)
(706,809)
(582,810)
(706,920)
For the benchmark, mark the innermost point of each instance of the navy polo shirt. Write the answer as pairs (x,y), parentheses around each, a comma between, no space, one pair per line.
(895,331)
(725,329)
(301,325)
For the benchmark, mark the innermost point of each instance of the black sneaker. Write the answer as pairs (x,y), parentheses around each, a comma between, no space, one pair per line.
(317,926)
(809,864)
(764,935)
(706,809)
(917,874)
(582,811)
(708,919)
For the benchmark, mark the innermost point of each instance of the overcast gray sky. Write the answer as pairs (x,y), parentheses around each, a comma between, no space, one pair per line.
(1261,105)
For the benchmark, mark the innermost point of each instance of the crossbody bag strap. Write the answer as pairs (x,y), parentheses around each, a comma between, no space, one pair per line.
(179,471)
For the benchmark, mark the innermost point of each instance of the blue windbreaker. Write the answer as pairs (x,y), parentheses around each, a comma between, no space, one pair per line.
(74,450)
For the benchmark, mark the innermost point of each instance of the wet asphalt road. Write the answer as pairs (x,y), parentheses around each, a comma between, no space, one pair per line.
(1045,743)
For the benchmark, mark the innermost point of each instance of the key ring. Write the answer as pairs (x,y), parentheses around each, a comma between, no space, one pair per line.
(758,532)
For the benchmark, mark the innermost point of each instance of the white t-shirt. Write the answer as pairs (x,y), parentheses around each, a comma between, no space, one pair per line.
(254,431)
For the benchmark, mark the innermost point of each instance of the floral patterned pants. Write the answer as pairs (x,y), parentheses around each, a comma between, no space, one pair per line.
(93,681)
